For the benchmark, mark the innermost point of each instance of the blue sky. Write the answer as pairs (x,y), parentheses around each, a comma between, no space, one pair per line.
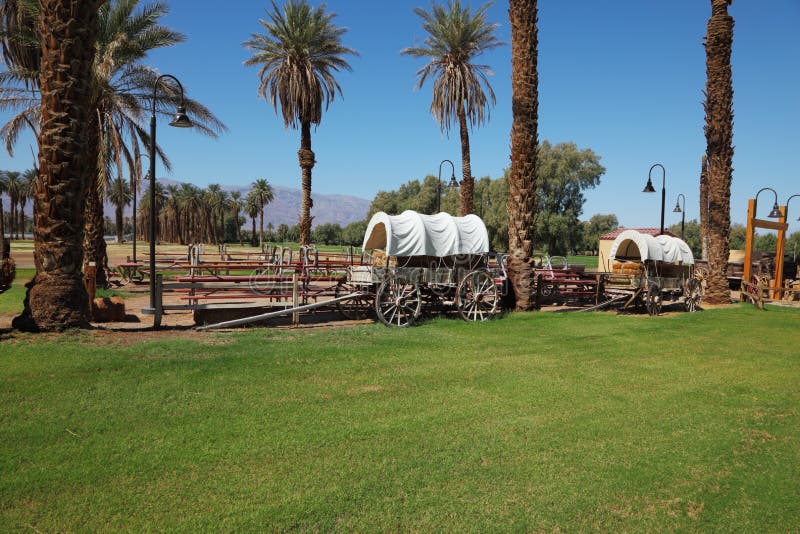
(622,77)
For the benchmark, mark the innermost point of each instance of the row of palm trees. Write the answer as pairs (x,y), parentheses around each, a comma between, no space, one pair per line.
(190,214)
(18,186)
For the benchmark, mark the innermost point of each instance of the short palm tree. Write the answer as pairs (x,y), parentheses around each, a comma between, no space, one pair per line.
(461,90)
(24,194)
(299,55)
(263,194)
(13,184)
(252,208)
(2,216)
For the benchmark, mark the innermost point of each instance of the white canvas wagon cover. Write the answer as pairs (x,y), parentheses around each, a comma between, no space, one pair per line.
(415,234)
(632,244)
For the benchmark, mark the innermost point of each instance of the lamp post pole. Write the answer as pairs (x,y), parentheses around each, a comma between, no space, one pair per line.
(439,183)
(180,121)
(776,212)
(681,211)
(135,186)
(650,189)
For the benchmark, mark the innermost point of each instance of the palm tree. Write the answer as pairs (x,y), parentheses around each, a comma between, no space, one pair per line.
(719,147)
(263,194)
(298,56)
(120,196)
(524,146)
(13,183)
(25,193)
(2,217)
(56,298)
(252,208)
(236,205)
(455,38)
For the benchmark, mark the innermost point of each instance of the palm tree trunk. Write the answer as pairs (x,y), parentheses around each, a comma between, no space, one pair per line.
(261,229)
(94,243)
(524,146)
(253,235)
(306,157)
(467,182)
(120,222)
(2,233)
(22,219)
(704,207)
(56,298)
(12,219)
(719,147)
(238,228)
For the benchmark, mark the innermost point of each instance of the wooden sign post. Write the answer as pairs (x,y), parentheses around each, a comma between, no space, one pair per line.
(781,226)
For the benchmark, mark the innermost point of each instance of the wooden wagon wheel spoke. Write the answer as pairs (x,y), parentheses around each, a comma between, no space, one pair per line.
(694,294)
(477,297)
(653,300)
(398,302)
(358,307)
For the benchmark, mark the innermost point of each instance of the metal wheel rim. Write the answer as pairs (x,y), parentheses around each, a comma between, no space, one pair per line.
(478,298)
(398,303)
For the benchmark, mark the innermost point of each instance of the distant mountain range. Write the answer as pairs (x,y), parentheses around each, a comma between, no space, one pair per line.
(284,209)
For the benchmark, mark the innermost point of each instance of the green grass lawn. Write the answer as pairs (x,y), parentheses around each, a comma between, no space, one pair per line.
(570,422)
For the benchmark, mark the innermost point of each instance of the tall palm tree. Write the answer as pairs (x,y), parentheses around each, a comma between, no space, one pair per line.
(719,147)
(2,217)
(56,298)
(455,38)
(263,194)
(252,208)
(524,146)
(25,194)
(120,196)
(298,56)
(13,183)
(236,205)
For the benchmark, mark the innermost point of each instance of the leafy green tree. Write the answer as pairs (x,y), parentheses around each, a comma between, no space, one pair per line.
(792,246)
(353,233)
(691,235)
(564,172)
(738,236)
(765,242)
(596,226)
(456,36)
(328,234)
(298,57)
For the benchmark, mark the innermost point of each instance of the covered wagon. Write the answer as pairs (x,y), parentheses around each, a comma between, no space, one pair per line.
(652,269)
(427,262)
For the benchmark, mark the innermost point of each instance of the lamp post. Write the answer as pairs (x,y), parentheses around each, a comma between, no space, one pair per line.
(179,121)
(787,206)
(776,212)
(650,189)
(453,183)
(681,211)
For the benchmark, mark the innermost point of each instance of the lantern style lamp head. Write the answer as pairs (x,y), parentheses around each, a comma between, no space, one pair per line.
(776,212)
(677,208)
(181,120)
(649,187)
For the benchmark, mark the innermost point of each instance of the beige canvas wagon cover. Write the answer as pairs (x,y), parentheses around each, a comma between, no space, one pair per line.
(631,244)
(415,234)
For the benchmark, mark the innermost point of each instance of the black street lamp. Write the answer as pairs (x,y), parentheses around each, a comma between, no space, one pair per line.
(179,121)
(452,185)
(776,212)
(787,206)
(650,189)
(681,211)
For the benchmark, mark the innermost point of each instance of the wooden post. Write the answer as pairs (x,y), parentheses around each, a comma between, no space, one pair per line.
(748,241)
(777,292)
(295,298)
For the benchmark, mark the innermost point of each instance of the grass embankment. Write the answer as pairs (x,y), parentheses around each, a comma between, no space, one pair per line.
(532,422)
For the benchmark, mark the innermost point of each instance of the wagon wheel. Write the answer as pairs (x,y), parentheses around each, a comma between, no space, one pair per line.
(477,297)
(357,308)
(653,300)
(694,294)
(398,302)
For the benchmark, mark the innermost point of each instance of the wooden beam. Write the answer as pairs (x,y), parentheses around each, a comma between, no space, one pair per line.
(771,225)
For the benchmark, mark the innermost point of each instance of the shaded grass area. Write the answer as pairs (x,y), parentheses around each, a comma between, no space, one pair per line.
(532,422)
